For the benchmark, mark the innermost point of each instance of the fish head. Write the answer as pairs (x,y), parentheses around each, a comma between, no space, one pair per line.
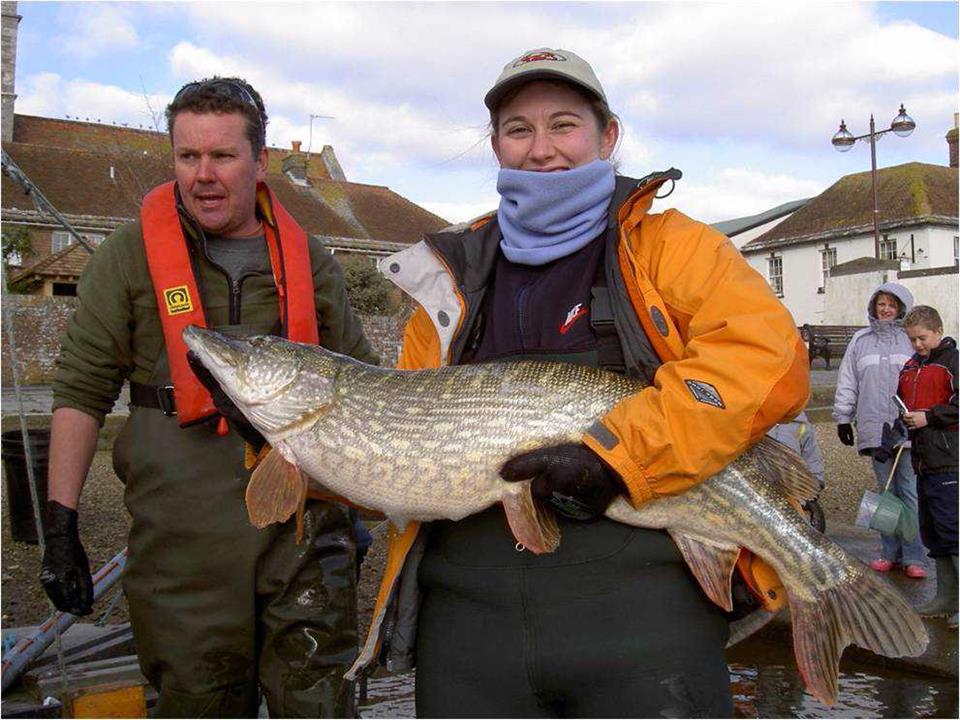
(264,375)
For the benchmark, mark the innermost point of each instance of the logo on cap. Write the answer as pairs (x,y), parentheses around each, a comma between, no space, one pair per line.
(539,56)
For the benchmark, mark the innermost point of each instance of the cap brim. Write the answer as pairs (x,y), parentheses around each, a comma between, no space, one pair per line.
(496,93)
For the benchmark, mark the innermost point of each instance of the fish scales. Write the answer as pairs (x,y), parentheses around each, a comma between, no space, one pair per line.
(509,409)
(429,444)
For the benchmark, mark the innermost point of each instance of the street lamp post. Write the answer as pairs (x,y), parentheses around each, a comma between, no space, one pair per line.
(902,125)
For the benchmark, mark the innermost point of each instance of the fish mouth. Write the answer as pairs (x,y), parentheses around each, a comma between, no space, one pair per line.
(221,355)
(215,350)
(225,358)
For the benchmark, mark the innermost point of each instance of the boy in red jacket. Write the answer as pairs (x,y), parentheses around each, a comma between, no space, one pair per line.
(928,387)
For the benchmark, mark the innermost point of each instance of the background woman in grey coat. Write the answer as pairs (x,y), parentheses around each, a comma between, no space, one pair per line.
(866,385)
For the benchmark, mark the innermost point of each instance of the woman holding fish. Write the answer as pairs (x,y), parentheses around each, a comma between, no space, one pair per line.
(574,268)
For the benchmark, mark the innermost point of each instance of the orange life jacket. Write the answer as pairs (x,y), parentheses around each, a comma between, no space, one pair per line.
(178,294)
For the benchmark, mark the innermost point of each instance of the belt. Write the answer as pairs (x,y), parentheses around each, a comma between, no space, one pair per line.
(157,397)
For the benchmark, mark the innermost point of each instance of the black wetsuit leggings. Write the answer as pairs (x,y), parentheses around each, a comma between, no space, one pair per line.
(610,625)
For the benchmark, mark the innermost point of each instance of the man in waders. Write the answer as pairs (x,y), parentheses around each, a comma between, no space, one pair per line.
(219,609)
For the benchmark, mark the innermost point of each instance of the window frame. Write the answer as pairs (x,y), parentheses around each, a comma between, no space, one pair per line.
(825,267)
(775,280)
(56,239)
(886,242)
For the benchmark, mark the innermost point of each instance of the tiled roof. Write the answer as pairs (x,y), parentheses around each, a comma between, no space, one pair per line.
(68,263)
(910,194)
(79,181)
(105,138)
(102,171)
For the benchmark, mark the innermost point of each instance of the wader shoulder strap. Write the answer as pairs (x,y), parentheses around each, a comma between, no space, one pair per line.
(178,297)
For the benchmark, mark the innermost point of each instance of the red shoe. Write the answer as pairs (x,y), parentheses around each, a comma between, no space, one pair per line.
(881,565)
(915,571)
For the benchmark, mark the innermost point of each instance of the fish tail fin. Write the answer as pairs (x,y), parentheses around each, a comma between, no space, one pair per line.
(276,490)
(533,526)
(875,617)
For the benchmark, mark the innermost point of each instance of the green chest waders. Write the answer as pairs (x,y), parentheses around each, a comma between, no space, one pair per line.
(219,608)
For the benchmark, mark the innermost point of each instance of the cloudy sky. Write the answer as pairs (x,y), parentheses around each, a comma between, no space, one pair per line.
(743,97)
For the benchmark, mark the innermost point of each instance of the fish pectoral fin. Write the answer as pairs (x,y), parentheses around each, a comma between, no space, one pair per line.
(864,609)
(782,464)
(277,489)
(534,526)
(711,564)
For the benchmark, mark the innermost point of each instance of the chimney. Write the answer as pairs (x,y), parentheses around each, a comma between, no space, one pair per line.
(10,23)
(332,165)
(952,140)
(294,165)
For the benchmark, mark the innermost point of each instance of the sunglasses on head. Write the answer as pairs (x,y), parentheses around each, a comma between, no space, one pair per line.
(231,87)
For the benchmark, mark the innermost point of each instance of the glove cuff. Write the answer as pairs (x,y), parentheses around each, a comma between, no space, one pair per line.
(60,521)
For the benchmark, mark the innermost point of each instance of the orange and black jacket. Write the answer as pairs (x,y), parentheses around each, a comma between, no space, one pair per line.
(729,363)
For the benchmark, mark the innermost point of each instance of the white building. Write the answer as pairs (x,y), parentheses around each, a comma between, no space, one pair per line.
(918,230)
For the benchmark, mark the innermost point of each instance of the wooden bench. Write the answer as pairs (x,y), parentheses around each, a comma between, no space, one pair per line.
(827,341)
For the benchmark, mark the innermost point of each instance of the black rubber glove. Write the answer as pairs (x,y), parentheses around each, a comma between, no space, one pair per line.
(569,476)
(224,404)
(845,433)
(891,437)
(65,570)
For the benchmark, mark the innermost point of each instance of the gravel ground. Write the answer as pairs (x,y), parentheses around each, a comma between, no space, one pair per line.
(104,524)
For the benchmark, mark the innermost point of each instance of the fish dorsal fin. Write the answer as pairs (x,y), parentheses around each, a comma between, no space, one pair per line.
(277,489)
(783,465)
(711,563)
(533,526)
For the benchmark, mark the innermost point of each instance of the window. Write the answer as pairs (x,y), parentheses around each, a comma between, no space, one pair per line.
(828,258)
(888,248)
(775,274)
(59,239)
(956,250)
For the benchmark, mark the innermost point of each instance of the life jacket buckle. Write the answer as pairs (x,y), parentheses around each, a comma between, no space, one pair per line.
(165,400)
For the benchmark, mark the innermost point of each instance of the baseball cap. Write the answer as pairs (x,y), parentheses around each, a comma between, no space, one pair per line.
(544,63)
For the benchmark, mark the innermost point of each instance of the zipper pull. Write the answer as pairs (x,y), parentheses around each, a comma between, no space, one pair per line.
(222,427)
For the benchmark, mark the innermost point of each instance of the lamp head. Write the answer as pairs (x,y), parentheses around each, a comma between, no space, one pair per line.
(903,124)
(844,139)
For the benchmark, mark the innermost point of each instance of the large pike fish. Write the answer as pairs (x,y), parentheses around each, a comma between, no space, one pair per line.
(429,444)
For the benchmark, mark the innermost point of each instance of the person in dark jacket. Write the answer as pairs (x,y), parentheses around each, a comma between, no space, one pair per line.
(220,610)
(928,387)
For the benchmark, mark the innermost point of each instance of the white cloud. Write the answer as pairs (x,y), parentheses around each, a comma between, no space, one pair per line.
(457,212)
(708,87)
(366,131)
(49,95)
(738,192)
(783,74)
(96,29)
